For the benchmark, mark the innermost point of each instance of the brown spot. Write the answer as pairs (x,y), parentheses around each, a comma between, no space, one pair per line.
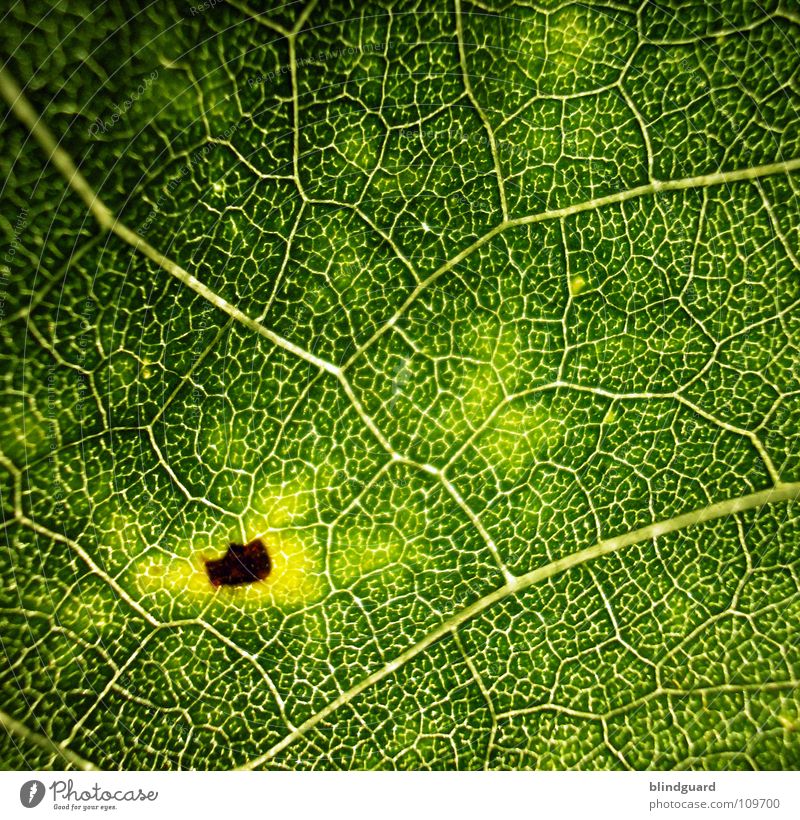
(241,564)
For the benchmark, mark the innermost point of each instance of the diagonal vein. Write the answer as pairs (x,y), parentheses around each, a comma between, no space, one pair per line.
(19,104)
(108,221)
(20,730)
(658,186)
(721,509)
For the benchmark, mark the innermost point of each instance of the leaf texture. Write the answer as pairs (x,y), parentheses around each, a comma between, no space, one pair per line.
(483,318)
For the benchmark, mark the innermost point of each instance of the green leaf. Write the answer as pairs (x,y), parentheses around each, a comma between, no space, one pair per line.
(482,318)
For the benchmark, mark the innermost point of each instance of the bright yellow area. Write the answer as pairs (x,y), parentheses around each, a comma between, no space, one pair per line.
(117,531)
(569,36)
(297,574)
(576,285)
(294,580)
(279,506)
(519,435)
(489,352)
(296,554)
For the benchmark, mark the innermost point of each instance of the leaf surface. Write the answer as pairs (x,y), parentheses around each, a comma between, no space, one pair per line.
(482,318)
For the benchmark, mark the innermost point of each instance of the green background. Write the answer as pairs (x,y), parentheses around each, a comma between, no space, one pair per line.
(499,343)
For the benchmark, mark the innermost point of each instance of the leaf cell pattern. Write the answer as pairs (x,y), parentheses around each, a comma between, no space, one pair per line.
(481,316)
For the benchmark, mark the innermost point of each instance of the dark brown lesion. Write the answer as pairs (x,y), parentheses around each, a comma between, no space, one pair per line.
(241,564)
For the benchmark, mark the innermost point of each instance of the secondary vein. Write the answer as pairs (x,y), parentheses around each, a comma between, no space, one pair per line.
(19,104)
(721,509)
